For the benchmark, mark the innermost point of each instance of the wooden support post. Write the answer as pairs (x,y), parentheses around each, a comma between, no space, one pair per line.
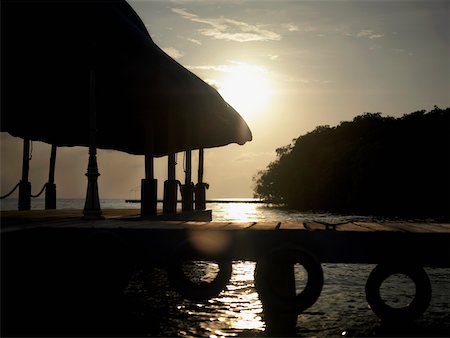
(92,203)
(200,187)
(187,190)
(171,168)
(201,155)
(188,177)
(149,188)
(170,187)
(50,187)
(24,184)
(281,322)
(275,283)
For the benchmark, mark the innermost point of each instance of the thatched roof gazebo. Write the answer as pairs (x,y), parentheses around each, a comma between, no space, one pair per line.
(87,73)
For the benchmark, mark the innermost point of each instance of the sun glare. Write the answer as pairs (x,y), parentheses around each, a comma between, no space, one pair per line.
(247,88)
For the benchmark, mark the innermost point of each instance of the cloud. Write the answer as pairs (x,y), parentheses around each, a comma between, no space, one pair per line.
(174,53)
(376,36)
(366,33)
(216,68)
(273,57)
(222,28)
(252,156)
(213,83)
(401,50)
(305,27)
(291,27)
(232,66)
(195,41)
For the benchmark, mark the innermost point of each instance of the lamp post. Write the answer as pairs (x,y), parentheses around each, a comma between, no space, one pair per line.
(92,208)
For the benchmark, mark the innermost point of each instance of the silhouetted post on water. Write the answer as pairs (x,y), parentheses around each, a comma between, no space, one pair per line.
(50,187)
(149,185)
(24,184)
(149,188)
(170,187)
(187,190)
(281,322)
(92,204)
(200,187)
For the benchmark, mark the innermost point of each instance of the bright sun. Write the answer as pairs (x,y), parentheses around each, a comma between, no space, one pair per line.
(247,88)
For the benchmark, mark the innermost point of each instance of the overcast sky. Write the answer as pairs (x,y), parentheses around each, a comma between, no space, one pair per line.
(286,66)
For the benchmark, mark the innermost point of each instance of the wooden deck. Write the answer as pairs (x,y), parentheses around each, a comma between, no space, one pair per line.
(60,272)
(426,244)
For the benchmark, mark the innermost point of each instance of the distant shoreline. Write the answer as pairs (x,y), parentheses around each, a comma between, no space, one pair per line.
(213,201)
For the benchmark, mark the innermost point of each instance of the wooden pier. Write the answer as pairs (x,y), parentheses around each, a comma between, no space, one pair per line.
(59,244)
(354,242)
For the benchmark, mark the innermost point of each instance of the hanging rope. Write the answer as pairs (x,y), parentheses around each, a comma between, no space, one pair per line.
(40,192)
(14,189)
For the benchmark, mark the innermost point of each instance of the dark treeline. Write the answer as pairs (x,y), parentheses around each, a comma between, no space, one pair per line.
(371,165)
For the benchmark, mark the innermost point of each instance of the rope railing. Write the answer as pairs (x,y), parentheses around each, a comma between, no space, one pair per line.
(17,185)
(10,193)
(40,192)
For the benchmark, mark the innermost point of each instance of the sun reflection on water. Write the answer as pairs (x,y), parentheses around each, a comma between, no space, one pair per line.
(238,212)
(236,308)
(240,303)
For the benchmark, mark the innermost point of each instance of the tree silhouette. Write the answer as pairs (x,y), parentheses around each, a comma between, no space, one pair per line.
(371,165)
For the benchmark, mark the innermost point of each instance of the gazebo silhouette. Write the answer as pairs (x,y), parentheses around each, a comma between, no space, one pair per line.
(87,73)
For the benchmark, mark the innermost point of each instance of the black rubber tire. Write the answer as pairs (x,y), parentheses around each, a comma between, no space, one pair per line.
(288,255)
(197,291)
(410,312)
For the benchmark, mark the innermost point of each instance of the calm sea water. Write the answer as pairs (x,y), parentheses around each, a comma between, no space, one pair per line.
(341,310)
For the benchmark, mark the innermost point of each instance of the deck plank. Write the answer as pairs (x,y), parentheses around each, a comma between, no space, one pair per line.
(341,227)
(264,226)
(156,225)
(312,226)
(434,227)
(196,225)
(377,227)
(443,225)
(130,218)
(292,226)
(239,225)
(412,227)
(206,225)
(366,242)
(352,227)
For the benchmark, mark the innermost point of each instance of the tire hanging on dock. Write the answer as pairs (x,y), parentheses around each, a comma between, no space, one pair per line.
(190,289)
(268,290)
(408,313)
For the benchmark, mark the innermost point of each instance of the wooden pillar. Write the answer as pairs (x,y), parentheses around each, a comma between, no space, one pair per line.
(201,155)
(187,190)
(281,323)
(50,187)
(171,168)
(188,177)
(170,187)
(92,203)
(149,188)
(24,184)
(200,187)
